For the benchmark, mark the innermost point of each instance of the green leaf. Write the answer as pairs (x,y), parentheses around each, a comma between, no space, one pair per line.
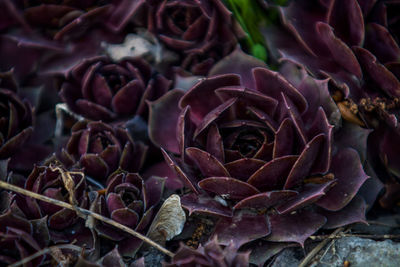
(250,16)
(259,52)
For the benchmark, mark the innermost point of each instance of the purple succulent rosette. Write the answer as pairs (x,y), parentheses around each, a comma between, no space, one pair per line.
(101,149)
(63,225)
(53,36)
(20,237)
(131,201)
(16,117)
(356,43)
(347,41)
(260,140)
(22,140)
(202,32)
(53,20)
(99,89)
(383,152)
(111,259)
(49,182)
(211,254)
(353,42)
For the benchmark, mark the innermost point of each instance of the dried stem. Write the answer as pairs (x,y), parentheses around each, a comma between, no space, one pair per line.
(322,237)
(85,212)
(44,251)
(383,224)
(320,246)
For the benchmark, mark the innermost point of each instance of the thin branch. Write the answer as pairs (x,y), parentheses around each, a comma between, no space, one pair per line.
(85,212)
(383,224)
(385,236)
(44,251)
(320,246)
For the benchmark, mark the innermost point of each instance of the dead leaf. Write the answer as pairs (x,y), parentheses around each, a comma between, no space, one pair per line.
(169,221)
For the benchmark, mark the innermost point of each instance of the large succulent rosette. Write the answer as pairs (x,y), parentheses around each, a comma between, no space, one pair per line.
(16,117)
(356,43)
(100,89)
(211,254)
(202,32)
(130,201)
(260,140)
(349,41)
(101,149)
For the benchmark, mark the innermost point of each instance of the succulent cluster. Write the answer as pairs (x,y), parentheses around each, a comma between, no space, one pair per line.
(156,116)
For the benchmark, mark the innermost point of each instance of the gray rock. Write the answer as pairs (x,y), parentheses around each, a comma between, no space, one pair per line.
(289,257)
(153,258)
(360,252)
(384,225)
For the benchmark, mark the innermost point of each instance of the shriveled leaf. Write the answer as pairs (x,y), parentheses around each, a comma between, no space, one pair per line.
(168,222)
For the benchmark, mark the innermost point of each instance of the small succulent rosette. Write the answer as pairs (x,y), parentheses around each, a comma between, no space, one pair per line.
(37,30)
(356,44)
(261,143)
(16,117)
(48,181)
(211,254)
(101,149)
(201,32)
(130,201)
(111,259)
(53,20)
(20,238)
(99,89)
(64,225)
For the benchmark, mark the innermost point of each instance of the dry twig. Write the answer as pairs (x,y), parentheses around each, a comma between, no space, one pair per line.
(383,224)
(86,213)
(322,237)
(68,181)
(320,246)
(48,250)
